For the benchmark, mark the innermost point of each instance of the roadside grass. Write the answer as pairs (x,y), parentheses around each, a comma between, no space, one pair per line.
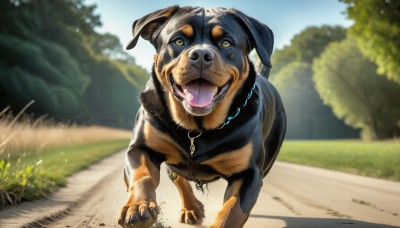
(37,174)
(380,159)
(36,156)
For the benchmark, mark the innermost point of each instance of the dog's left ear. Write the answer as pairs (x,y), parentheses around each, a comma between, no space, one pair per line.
(261,35)
(147,25)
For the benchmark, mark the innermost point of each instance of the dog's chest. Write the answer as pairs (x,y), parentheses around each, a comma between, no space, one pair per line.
(207,159)
(208,167)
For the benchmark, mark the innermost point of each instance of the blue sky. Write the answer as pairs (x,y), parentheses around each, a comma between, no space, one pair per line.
(285,17)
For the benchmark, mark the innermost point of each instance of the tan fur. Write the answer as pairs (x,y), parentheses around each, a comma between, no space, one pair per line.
(146,175)
(217,32)
(187,30)
(219,114)
(179,114)
(161,143)
(142,189)
(145,170)
(190,205)
(231,215)
(231,162)
(223,214)
(218,74)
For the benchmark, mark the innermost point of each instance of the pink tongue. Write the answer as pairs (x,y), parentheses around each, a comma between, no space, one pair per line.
(199,94)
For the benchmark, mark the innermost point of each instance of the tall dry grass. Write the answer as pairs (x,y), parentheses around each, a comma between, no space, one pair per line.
(21,134)
(36,155)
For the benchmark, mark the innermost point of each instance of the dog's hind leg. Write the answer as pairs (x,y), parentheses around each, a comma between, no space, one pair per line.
(192,211)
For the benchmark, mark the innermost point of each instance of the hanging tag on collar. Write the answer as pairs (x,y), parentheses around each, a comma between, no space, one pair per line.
(192,138)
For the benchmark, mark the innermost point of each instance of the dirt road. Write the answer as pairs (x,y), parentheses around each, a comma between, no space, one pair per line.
(292,196)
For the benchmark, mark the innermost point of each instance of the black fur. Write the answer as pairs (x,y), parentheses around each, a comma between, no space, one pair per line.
(262,122)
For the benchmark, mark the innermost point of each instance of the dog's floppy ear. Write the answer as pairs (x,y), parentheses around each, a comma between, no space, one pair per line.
(261,35)
(147,25)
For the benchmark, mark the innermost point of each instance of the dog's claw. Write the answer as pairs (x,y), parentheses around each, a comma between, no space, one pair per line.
(134,219)
(154,212)
(138,215)
(192,216)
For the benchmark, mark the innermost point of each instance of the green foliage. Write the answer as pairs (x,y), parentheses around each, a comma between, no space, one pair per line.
(49,75)
(39,173)
(374,159)
(110,46)
(51,53)
(292,74)
(22,181)
(348,82)
(377,31)
(307,45)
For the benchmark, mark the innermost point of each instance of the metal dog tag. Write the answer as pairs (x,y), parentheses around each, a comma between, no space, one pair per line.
(192,138)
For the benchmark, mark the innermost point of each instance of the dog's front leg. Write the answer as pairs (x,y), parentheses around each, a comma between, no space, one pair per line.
(141,210)
(240,197)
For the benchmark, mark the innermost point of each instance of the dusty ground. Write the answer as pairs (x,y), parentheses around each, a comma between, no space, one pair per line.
(292,196)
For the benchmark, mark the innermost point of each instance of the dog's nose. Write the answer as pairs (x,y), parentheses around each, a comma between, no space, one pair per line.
(201,57)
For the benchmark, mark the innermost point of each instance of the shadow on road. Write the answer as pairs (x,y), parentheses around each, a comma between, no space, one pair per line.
(294,222)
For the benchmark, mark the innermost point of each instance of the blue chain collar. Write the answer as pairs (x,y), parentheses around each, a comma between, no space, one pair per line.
(229,118)
(227,121)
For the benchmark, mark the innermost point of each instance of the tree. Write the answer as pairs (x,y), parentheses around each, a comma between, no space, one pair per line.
(306,114)
(307,45)
(51,53)
(34,65)
(41,71)
(377,31)
(347,82)
(292,73)
(110,46)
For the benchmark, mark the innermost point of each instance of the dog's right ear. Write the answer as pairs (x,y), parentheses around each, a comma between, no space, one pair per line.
(147,25)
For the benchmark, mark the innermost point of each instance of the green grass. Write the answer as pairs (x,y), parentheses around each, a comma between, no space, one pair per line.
(374,159)
(35,174)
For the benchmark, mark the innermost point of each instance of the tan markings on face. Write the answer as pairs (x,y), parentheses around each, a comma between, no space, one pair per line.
(218,74)
(183,72)
(217,32)
(231,162)
(161,143)
(220,112)
(164,73)
(179,114)
(187,30)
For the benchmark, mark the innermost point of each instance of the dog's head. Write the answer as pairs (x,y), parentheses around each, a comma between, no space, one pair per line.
(202,57)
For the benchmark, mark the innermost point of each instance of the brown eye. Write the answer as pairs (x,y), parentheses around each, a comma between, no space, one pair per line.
(179,42)
(226,44)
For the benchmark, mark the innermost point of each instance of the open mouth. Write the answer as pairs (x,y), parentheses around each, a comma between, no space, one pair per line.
(199,93)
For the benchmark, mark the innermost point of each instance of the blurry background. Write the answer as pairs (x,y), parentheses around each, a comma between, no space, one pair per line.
(69,57)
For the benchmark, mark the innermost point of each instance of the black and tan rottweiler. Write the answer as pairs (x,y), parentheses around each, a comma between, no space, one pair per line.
(205,112)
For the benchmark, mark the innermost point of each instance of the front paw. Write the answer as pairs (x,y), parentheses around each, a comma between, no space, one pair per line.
(192,214)
(138,215)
